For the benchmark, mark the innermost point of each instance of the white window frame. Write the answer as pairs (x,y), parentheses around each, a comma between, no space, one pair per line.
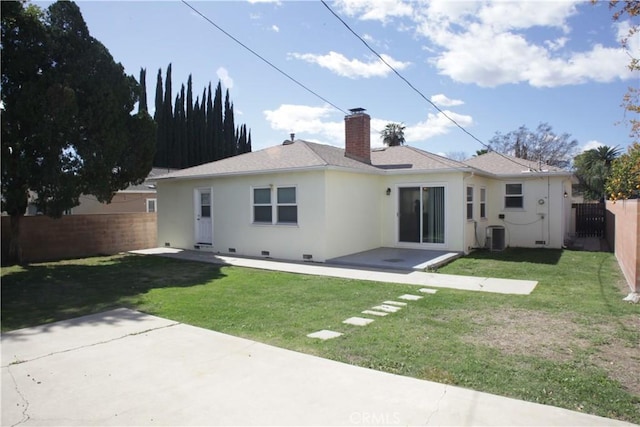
(278,205)
(254,204)
(155,205)
(274,205)
(520,195)
(469,202)
(483,202)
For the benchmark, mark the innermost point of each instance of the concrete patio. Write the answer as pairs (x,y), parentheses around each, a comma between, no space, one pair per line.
(396,259)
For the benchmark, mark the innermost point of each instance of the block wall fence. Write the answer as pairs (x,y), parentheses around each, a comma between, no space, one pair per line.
(623,236)
(76,236)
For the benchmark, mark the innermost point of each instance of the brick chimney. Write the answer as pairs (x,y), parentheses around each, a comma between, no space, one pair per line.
(357,135)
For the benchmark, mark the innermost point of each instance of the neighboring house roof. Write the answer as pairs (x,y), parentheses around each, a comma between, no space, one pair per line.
(505,165)
(304,155)
(147,186)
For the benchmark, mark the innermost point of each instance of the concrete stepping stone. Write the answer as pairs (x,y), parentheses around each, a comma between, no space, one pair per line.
(398,303)
(324,334)
(387,308)
(375,313)
(410,297)
(427,290)
(358,321)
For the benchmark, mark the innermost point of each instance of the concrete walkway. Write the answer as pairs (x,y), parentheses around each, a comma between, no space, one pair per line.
(126,368)
(419,278)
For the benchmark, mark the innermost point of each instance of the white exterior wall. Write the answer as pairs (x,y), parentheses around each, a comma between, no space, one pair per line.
(545,222)
(475,229)
(232,212)
(353,215)
(454,231)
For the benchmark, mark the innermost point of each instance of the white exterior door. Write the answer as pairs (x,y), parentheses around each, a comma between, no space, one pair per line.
(204,216)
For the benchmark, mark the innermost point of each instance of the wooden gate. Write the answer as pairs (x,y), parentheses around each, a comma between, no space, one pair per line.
(589,219)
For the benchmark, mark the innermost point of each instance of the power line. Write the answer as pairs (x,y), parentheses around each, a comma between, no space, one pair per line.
(415,89)
(262,58)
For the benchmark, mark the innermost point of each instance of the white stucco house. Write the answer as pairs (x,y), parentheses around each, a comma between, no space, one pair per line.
(308,201)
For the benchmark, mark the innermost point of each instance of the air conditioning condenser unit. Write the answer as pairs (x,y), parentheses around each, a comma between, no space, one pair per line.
(495,238)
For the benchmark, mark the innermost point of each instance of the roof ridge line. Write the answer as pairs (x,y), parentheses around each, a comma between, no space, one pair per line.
(314,152)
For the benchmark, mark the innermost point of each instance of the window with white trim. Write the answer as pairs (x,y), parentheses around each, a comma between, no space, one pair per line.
(513,196)
(262,207)
(469,202)
(483,203)
(275,205)
(151,205)
(287,206)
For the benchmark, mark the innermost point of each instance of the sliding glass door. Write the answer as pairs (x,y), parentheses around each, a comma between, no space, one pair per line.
(421,214)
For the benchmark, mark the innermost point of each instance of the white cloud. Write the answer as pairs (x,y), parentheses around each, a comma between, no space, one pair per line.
(316,124)
(485,43)
(591,145)
(352,68)
(307,122)
(380,10)
(434,125)
(556,44)
(275,28)
(441,100)
(224,77)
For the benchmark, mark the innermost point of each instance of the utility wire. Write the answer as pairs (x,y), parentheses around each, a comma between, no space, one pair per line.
(262,58)
(415,89)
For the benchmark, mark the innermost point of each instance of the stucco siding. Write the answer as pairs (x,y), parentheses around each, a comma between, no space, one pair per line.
(541,222)
(353,212)
(232,208)
(454,232)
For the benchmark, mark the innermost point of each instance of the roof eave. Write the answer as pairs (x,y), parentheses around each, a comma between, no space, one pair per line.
(243,173)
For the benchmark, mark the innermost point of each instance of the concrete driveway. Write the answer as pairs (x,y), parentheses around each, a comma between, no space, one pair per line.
(123,367)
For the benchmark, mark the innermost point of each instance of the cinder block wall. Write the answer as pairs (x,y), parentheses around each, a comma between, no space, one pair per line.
(75,236)
(626,214)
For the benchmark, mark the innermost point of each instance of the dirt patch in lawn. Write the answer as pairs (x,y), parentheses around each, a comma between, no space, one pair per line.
(560,337)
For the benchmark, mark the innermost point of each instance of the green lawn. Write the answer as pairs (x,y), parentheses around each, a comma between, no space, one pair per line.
(573,343)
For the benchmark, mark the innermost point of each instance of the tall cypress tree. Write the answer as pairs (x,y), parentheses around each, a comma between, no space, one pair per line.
(142,100)
(193,133)
(229,128)
(189,142)
(210,130)
(202,129)
(160,159)
(177,150)
(218,123)
(168,119)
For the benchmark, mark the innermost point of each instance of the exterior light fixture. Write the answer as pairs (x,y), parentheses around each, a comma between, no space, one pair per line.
(565,195)
(388,191)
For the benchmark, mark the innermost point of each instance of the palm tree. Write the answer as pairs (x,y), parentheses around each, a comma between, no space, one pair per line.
(593,167)
(393,134)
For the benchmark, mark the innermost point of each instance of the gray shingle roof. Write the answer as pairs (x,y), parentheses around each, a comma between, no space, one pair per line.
(502,164)
(405,157)
(308,155)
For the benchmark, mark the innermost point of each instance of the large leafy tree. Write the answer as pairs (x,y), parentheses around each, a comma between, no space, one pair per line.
(67,127)
(592,168)
(624,181)
(393,134)
(542,145)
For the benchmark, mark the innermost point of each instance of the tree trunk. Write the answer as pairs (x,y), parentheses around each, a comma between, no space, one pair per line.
(15,248)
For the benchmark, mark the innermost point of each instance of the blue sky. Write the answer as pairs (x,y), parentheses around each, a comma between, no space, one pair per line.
(492,66)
